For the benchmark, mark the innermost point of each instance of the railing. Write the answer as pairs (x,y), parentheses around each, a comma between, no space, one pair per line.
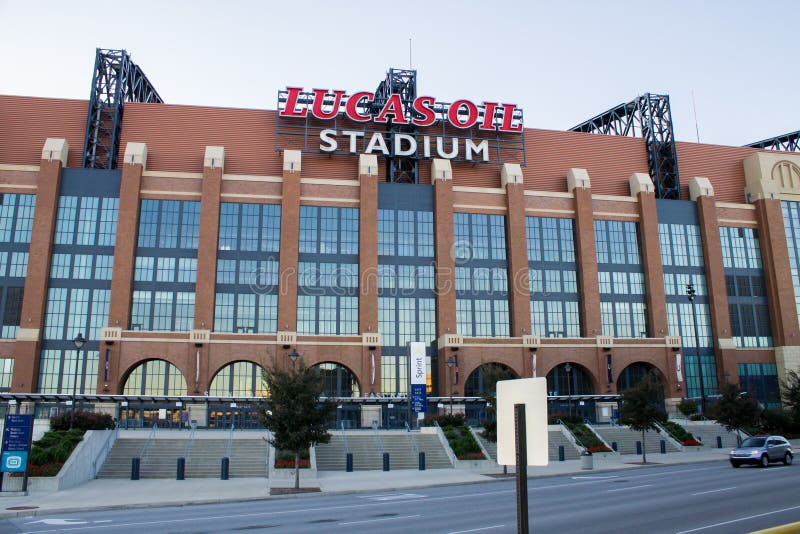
(446,444)
(411,437)
(230,440)
(596,433)
(566,432)
(188,449)
(664,431)
(378,436)
(104,450)
(150,438)
(266,454)
(344,439)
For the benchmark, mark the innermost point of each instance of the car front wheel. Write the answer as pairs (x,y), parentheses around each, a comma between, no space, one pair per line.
(736,464)
(787,459)
(765,461)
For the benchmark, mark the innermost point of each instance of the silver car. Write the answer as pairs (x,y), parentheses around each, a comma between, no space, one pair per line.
(761,450)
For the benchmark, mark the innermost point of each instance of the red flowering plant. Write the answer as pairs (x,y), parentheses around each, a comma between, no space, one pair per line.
(289,464)
(471,456)
(692,443)
(598,448)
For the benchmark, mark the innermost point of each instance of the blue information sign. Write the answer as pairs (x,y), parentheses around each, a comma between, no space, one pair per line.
(419,400)
(16,443)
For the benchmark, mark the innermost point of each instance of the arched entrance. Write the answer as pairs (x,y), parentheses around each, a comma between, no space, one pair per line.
(338,380)
(157,378)
(631,375)
(569,380)
(237,379)
(475,384)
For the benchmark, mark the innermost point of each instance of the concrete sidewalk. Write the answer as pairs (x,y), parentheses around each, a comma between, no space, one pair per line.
(115,493)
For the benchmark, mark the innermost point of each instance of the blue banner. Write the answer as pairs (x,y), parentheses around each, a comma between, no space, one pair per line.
(16,443)
(419,399)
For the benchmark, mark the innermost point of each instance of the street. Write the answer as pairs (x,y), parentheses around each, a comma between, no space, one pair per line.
(707,497)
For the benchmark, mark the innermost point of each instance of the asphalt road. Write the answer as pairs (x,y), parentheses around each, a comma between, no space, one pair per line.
(707,498)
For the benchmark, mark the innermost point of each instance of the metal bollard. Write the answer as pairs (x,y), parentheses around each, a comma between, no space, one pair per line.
(135,463)
(663,447)
(422,461)
(348,462)
(719,442)
(181,475)
(385,461)
(560,453)
(638,447)
(614,446)
(223,472)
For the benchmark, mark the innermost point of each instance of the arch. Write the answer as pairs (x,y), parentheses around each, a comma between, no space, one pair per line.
(154,377)
(474,387)
(338,380)
(634,372)
(570,378)
(239,379)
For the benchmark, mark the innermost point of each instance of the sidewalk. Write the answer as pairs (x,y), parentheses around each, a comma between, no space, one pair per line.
(117,493)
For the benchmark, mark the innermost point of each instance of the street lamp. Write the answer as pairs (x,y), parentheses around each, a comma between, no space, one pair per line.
(450,363)
(568,369)
(293,356)
(79,342)
(690,294)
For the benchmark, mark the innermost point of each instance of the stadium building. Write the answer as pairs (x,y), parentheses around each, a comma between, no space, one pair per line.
(155,257)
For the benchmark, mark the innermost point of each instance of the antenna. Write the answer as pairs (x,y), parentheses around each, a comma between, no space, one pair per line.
(694,109)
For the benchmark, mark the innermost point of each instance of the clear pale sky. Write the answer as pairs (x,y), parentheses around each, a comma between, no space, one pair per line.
(562,61)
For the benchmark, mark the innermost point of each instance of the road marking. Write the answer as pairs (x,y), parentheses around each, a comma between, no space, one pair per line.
(393,496)
(630,488)
(56,521)
(381,519)
(738,520)
(713,491)
(596,477)
(476,529)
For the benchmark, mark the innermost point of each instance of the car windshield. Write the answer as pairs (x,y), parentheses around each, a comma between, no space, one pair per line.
(754,442)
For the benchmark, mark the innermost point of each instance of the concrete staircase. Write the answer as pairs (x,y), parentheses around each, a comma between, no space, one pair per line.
(368,456)
(626,439)
(248,458)
(707,432)
(556,439)
(491,447)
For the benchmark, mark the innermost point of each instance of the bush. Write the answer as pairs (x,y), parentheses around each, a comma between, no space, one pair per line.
(463,443)
(82,420)
(49,453)
(678,431)
(687,407)
(692,443)
(456,419)
(778,422)
(585,436)
(598,448)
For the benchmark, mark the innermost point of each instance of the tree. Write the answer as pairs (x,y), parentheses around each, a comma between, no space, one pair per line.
(687,407)
(735,409)
(641,409)
(296,416)
(790,391)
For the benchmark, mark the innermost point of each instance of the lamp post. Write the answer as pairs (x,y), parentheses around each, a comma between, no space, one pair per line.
(79,342)
(568,369)
(690,294)
(450,363)
(293,356)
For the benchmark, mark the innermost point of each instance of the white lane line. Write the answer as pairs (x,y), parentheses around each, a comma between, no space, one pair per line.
(630,488)
(476,529)
(698,529)
(713,491)
(381,519)
(595,477)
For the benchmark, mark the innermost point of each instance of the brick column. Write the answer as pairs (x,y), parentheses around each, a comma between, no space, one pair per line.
(368,272)
(213,166)
(28,345)
(642,188)
(290,231)
(518,286)
(119,311)
(578,183)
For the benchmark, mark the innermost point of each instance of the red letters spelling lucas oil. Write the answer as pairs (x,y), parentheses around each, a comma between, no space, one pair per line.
(461,113)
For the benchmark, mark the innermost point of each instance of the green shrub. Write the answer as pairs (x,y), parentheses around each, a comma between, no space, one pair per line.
(677,431)
(463,443)
(50,452)
(687,407)
(289,455)
(584,435)
(445,419)
(778,422)
(82,420)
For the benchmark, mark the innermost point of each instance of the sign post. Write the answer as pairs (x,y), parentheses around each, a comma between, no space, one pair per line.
(418,400)
(17,436)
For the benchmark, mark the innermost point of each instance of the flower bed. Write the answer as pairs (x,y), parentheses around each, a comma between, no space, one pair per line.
(598,448)
(692,443)
(471,456)
(289,464)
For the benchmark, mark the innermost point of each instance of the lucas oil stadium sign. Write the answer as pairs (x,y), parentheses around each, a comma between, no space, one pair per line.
(397,126)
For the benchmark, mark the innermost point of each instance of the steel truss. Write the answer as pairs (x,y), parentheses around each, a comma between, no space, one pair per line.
(646,116)
(116,80)
(400,169)
(789,142)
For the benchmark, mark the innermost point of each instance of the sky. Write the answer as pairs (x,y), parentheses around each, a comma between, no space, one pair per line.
(730,63)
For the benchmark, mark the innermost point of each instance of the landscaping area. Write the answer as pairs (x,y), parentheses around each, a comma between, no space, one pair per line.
(461,440)
(285,460)
(584,435)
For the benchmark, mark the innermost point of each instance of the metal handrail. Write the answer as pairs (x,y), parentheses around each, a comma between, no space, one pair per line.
(607,444)
(411,437)
(344,439)
(572,438)
(664,431)
(110,440)
(147,442)
(230,439)
(188,449)
(446,444)
(378,437)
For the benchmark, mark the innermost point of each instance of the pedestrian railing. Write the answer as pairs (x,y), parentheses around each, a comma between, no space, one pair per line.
(104,450)
(378,437)
(230,441)
(344,439)
(188,449)
(150,437)
(411,438)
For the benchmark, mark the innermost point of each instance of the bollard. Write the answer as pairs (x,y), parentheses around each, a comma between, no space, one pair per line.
(135,463)
(663,447)
(181,469)
(385,461)
(223,472)
(614,446)
(638,447)
(719,442)
(560,453)
(422,461)
(348,462)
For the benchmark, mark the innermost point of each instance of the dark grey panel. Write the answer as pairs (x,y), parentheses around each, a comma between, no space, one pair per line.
(405,196)
(677,211)
(90,182)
